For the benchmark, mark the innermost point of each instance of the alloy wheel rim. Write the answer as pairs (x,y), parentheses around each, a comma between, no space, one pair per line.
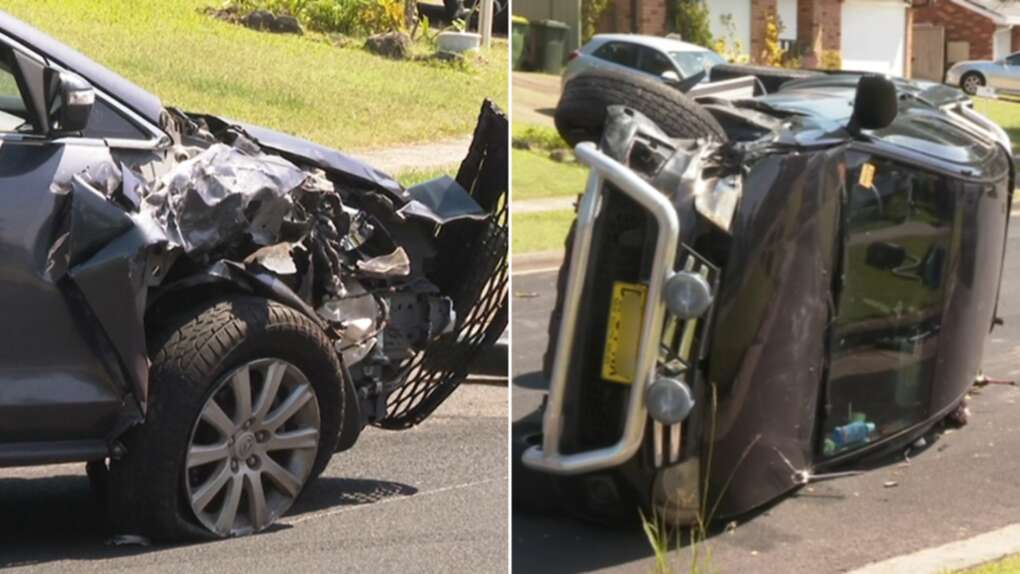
(971,84)
(252,448)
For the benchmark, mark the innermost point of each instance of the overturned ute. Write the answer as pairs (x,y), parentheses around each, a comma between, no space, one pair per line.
(217,308)
(762,291)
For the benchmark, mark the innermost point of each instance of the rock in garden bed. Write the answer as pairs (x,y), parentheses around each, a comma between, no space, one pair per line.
(395,45)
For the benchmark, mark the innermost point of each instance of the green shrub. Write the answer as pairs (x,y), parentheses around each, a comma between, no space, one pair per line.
(350,17)
(689,18)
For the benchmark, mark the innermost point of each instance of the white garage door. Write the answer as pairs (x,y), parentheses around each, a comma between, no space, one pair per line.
(874,36)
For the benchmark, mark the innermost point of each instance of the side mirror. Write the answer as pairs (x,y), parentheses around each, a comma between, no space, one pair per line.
(875,105)
(69,101)
(670,77)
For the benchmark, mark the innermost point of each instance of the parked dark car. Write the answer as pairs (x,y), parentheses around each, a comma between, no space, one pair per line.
(763,291)
(216,308)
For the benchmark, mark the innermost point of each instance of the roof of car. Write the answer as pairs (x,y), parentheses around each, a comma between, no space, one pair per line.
(657,42)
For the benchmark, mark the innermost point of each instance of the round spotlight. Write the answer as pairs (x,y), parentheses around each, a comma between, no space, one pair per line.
(687,295)
(669,401)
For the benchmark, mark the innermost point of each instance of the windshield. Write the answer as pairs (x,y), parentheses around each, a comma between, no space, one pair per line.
(691,63)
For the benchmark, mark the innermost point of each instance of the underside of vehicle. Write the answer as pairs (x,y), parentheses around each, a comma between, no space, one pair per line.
(762,291)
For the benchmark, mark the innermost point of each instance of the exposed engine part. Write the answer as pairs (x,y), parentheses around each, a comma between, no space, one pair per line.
(359,316)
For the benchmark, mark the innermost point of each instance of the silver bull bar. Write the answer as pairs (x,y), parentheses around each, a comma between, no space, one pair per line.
(548,457)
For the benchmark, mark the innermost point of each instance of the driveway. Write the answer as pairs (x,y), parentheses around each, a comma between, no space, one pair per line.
(535,97)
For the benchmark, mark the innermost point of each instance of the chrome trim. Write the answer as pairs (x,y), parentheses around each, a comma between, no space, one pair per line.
(603,168)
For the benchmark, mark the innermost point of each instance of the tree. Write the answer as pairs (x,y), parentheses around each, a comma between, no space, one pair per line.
(690,19)
(591,13)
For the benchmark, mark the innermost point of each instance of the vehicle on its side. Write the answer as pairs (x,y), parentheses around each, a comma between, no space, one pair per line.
(216,308)
(663,59)
(763,291)
(1002,75)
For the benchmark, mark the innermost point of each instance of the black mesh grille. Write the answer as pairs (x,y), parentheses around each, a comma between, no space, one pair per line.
(473,270)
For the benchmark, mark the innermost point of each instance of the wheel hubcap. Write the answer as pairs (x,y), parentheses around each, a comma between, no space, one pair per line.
(252,448)
(971,84)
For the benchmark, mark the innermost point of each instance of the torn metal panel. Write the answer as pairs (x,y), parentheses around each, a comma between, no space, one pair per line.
(222,193)
(442,200)
(331,160)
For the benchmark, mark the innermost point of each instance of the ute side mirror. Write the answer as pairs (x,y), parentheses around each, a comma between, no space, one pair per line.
(875,105)
(69,101)
(670,77)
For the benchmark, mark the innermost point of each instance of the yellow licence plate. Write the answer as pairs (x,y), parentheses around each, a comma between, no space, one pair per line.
(626,310)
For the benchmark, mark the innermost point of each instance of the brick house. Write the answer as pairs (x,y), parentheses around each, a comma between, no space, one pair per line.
(949,31)
(870,35)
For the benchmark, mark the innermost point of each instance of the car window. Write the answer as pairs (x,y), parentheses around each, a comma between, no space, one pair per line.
(1013,60)
(622,53)
(655,62)
(107,123)
(691,63)
(14,115)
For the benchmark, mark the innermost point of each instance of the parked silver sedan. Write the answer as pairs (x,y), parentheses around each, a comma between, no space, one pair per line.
(1003,75)
(665,59)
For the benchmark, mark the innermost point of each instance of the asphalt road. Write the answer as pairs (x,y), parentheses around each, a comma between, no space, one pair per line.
(430,499)
(964,484)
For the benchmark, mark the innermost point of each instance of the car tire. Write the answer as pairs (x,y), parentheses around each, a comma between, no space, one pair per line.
(971,81)
(201,361)
(771,78)
(581,112)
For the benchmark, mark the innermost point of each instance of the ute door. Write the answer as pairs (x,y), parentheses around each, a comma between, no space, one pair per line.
(898,234)
(53,388)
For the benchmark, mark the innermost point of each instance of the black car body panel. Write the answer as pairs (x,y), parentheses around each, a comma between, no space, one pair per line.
(858,280)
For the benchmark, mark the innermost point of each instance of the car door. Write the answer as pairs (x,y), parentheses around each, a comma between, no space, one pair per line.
(53,387)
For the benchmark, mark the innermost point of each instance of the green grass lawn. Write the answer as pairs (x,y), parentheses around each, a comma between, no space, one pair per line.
(1008,565)
(415,176)
(340,97)
(536,176)
(1004,112)
(543,231)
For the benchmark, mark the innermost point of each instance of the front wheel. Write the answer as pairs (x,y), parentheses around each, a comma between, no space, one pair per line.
(245,405)
(971,81)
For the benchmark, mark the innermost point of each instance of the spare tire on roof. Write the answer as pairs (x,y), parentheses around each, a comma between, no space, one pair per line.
(581,113)
(771,78)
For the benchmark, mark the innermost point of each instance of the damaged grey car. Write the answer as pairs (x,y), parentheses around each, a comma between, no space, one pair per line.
(763,291)
(215,308)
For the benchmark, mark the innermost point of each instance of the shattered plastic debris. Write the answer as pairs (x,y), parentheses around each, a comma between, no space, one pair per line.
(395,264)
(221,193)
(276,258)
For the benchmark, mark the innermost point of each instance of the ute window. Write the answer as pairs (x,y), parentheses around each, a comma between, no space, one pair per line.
(621,53)
(14,114)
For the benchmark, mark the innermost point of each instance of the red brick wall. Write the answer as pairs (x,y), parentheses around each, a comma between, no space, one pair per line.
(652,17)
(760,11)
(819,29)
(962,25)
(622,15)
